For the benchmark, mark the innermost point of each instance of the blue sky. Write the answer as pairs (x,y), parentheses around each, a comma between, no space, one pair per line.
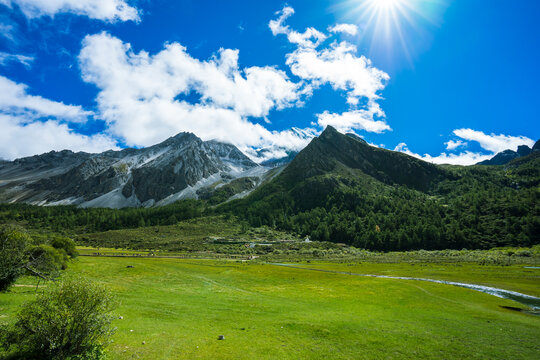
(447,81)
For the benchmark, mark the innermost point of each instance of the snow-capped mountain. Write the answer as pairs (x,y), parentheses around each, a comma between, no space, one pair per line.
(175,169)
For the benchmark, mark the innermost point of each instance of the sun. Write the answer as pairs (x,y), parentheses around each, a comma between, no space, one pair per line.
(392,26)
(387,19)
(385,5)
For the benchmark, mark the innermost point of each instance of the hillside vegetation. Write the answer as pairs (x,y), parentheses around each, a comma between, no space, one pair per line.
(343,190)
(340,189)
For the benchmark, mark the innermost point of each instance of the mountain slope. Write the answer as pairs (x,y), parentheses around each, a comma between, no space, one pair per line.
(160,174)
(334,152)
(343,190)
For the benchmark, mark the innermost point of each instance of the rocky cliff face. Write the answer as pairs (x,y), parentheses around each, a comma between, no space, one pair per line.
(172,170)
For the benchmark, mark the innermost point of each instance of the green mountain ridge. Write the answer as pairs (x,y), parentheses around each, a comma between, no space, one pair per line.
(341,189)
(333,151)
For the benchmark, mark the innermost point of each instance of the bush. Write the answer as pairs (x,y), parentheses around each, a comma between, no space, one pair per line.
(46,260)
(20,254)
(523,253)
(13,244)
(70,320)
(65,244)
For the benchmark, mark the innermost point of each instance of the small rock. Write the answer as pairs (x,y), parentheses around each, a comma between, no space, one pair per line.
(221,337)
(121,317)
(130,266)
(130,330)
(144,342)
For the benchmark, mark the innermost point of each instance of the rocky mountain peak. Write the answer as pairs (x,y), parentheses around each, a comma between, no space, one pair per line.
(334,152)
(171,170)
(523,150)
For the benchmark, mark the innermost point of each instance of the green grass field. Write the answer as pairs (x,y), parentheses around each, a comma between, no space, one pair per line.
(180,307)
(209,235)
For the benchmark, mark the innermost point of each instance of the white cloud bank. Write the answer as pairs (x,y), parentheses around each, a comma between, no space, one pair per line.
(143,97)
(339,66)
(491,143)
(106,10)
(32,124)
(494,143)
(20,138)
(464,158)
(16,101)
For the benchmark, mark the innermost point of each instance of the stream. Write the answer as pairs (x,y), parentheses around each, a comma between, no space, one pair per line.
(530,301)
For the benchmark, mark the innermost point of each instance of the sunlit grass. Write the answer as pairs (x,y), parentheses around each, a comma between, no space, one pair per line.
(180,307)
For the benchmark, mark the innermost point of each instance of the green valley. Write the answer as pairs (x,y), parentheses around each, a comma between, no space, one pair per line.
(176,309)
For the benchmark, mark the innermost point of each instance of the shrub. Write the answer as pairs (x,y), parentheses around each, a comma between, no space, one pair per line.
(46,260)
(70,320)
(65,244)
(523,253)
(13,243)
(20,254)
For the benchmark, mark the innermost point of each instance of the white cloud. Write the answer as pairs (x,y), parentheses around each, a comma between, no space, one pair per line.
(32,124)
(494,143)
(452,145)
(145,98)
(349,120)
(310,38)
(464,158)
(115,68)
(339,66)
(20,138)
(6,30)
(107,10)
(142,96)
(293,139)
(350,29)
(16,101)
(6,58)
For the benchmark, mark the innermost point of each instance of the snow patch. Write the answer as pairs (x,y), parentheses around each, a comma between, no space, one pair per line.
(113,199)
(68,201)
(190,192)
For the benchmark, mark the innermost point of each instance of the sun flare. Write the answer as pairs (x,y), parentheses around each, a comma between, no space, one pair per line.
(385,4)
(392,24)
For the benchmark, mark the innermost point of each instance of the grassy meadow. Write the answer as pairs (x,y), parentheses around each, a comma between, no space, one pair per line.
(176,309)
